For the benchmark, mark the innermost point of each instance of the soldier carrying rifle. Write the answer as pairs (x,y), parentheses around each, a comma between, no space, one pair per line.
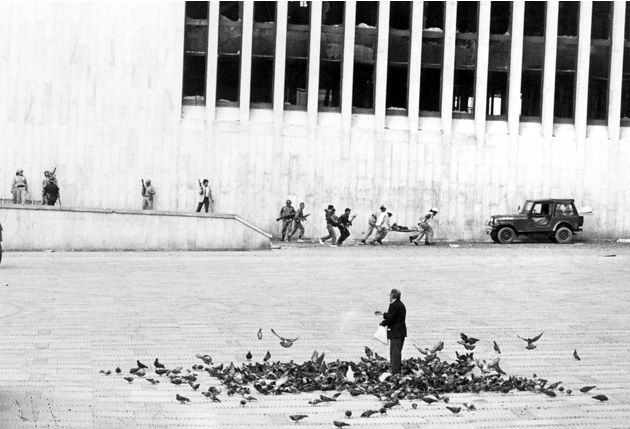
(345,222)
(287,214)
(297,223)
(205,196)
(147,195)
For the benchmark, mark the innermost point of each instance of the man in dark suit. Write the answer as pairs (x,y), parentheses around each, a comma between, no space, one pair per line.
(394,319)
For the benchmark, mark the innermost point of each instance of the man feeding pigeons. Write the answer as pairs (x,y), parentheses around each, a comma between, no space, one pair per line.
(394,319)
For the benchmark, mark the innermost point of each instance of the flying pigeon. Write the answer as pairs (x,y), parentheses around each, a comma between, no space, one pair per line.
(467,339)
(575,355)
(259,334)
(496,347)
(297,417)
(181,399)
(285,342)
(531,341)
(439,346)
(267,356)
(422,351)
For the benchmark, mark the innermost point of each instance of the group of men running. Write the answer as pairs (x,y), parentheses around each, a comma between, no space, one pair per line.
(379,221)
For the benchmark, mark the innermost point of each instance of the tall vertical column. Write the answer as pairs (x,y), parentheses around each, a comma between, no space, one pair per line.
(280,61)
(516,63)
(481,78)
(313,62)
(348,63)
(246,61)
(448,67)
(616,70)
(415,65)
(549,68)
(382,50)
(211,58)
(583,63)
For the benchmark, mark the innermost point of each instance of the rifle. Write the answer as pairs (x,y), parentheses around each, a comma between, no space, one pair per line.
(144,188)
(351,219)
(287,217)
(52,173)
(302,218)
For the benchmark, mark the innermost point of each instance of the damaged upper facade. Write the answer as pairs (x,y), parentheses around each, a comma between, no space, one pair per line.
(400,57)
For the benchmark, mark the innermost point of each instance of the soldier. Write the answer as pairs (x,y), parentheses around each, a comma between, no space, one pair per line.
(371,226)
(297,223)
(50,189)
(345,222)
(19,187)
(425,229)
(147,195)
(205,196)
(287,214)
(331,222)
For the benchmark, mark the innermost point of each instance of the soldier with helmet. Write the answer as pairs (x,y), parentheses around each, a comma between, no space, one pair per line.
(426,230)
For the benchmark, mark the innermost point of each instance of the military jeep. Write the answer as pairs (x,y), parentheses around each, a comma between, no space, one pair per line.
(554,218)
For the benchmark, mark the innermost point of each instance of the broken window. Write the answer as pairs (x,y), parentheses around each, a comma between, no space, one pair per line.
(263,50)
(599,65)
(296,71)
(499,58)
(195,53)
(533,60)
(229,53)
(566,60)
(625,85)
(465,58)
(331,56)
(365,44)
(432,53)
(398,56)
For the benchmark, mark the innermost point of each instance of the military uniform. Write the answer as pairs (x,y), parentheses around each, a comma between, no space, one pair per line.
(287,214)
(331,222)
(297,224)
(147,196)
(426,230)
(344,224)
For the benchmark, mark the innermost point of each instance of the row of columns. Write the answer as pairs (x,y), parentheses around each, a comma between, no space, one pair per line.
(448,68)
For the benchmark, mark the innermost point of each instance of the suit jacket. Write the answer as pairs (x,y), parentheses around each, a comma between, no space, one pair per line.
(394,319)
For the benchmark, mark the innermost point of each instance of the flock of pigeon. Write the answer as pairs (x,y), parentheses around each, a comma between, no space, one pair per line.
(425,378)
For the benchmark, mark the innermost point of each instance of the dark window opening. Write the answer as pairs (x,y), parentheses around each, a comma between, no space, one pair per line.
(363,86)
(433,15)
(497,93)
(500,16)
(367,13)
(229,53)
(430,89)
(464,91)
(295,93)
(531,101)
(625,83)
(400,15)
(264,11)
(535,15)
(602,19)
(195,52)
(565,89)
(262,80)
(333,13)
(299,13)
(467,16)
(331,56)
(197,9)
(568,18)
(396,98)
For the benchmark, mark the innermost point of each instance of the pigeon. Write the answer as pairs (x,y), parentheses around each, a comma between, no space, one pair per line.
(285,342)
(205,358)
(315,401)
(383,410)
(243,402)
(454,410)
(569,391)
(348,413)
(497,368)
(414,405)
(325,398)
(422,351)
(129,379)
(586,389)
(470,407)
(118,370)
(368,413)
(181,399)
(575,355)
(297,417)
(141,365)
(140,373)
(439,346)
(267,356)
(601,398)
(194,386)
(176,380)
(368,352)
(157,364)
(340,424)
(161,371)
(496,347)
(249,398)
(102,371)
(152,380)
(429,399)
(248,356)
(467,339)
(259,334)
(134,370)
(531,341)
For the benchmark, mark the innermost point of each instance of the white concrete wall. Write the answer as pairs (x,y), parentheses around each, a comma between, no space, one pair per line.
(42,228)
(95,88)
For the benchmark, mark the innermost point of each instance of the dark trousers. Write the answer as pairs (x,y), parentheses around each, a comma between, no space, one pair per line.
(205,202)
(286,227)
(395,353)
(51,199)
(343,234)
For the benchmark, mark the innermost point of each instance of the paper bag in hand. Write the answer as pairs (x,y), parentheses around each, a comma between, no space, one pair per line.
(381,334)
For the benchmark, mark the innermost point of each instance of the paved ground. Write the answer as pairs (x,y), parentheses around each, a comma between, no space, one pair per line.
(65,316)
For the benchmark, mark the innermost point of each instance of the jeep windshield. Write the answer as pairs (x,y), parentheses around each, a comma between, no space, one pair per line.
(527,207)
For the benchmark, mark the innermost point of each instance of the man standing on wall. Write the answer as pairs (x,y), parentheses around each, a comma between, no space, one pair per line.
(345,222)
(297,223)
(382,226)
(331,222)
(287,214)
(425,229)
(205,196)
(394,319)
(147,195)
(371,226)
(19,187)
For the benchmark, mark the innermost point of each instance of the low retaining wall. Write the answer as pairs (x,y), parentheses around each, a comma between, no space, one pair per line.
(51,228)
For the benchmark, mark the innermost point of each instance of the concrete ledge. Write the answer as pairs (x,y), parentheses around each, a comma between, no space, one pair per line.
(32,227)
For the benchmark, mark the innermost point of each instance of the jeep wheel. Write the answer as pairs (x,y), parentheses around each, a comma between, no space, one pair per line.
(506,235)
(494,237)
(563,235)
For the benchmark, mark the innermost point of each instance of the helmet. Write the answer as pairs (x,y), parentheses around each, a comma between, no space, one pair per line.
(434,210)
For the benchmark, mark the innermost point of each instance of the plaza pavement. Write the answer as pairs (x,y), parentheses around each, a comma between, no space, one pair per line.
(65,316)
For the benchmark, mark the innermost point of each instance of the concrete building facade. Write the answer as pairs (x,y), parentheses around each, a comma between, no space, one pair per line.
(472,107)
